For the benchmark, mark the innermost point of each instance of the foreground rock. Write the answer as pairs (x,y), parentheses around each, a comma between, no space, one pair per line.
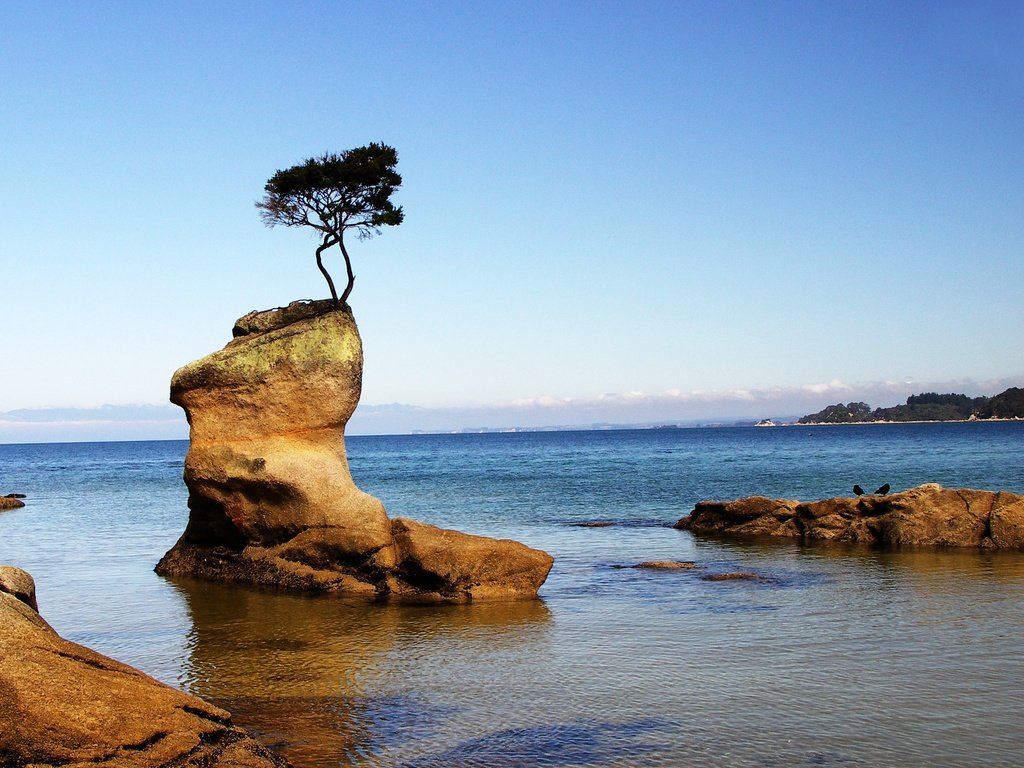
(63,704)
(271,498)
(928,515)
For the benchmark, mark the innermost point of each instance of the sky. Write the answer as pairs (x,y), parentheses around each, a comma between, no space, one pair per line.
(614,212)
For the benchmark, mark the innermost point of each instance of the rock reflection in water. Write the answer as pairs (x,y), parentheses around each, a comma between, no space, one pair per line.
(309,675)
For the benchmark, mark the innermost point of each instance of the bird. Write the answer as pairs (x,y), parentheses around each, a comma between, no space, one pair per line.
(883,490)
(858,490)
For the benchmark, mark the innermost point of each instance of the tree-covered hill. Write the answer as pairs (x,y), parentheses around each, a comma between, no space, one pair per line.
(928,406)
(1005,405)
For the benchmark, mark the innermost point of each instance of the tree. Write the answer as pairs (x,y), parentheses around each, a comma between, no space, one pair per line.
(334,193)
(1006,405)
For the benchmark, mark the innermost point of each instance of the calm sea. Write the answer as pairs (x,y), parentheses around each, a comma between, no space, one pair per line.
(840,656)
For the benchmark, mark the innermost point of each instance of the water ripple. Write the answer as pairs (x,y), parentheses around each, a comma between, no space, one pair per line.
(836,656)
(579,743)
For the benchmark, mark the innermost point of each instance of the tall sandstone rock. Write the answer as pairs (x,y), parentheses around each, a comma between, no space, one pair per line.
(271,498)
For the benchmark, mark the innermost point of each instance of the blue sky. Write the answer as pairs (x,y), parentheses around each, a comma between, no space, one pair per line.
(684,204)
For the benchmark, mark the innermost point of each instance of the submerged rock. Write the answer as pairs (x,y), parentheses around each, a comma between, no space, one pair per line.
(63,704)
(666,565)
(732,576)
(271,498)
(927,515)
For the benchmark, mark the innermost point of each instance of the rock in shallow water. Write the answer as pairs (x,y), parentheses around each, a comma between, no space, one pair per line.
(732,576)
(666,565)
(63,704)
(271,498)
(928,515)
(12,501)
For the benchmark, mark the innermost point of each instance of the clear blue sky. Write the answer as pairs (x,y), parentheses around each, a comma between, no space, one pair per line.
(646,199)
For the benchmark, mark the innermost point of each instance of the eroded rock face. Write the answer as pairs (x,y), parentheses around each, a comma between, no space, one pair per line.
(271,498)
(928,515)
(449,564)
(61,704)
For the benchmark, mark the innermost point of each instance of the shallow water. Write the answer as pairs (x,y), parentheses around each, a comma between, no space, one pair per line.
(835,656)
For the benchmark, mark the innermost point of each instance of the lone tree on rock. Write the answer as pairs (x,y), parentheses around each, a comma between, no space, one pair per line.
(334,193)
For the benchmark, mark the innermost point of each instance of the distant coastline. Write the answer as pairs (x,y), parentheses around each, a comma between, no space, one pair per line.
(142,423)
(883,422)
(741,424)
(926,407)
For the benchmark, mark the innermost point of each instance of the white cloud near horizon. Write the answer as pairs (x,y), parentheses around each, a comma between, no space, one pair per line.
(167,422)
(93,424)
(833,388)
(670,406)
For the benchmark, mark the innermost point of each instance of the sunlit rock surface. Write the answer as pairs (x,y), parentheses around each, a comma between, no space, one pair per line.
(271,498)
(10,502)
(63,704)
(928,515)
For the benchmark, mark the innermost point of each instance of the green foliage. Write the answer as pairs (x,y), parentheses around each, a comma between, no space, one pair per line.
(1006,405)
(963,403)
(931,406)
(335,193)
(921,412)
(928,406)
(839,414)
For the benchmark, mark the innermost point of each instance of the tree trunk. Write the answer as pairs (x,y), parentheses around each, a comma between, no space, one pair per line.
(319,262)
(348,267)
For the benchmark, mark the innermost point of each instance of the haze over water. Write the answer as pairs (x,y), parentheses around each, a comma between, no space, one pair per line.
(839,656)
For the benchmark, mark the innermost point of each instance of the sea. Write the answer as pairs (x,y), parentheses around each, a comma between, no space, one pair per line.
(836,656)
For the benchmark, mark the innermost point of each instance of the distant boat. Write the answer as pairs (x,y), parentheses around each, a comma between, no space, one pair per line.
(766,423)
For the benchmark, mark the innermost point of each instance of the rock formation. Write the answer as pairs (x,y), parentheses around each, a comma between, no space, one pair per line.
(11,501)
(63,704)
(928,515)
(271,498)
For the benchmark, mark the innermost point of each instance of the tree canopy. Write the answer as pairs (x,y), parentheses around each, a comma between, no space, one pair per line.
(1006,405)
(335,193)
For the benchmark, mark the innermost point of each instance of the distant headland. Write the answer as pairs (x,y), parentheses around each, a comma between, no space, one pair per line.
(928,406)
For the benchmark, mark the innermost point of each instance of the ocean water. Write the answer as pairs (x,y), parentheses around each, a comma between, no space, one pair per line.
(838,656)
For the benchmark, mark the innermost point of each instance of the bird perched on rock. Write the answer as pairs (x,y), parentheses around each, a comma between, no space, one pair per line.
(858,491)
(883,490)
